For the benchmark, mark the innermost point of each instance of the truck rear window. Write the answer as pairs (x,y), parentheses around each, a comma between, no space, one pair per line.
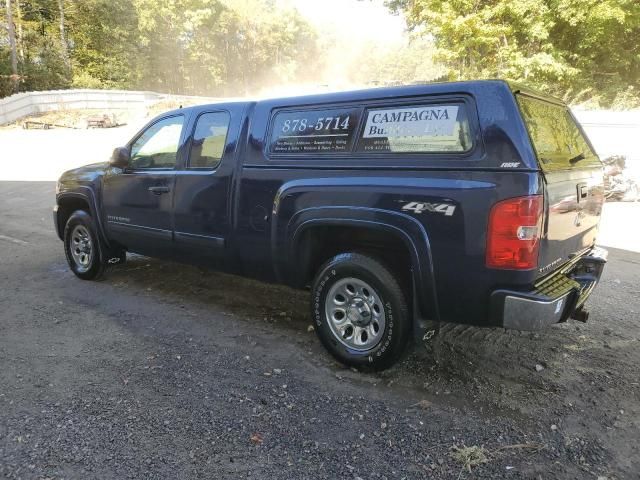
(416,129)
(557,139)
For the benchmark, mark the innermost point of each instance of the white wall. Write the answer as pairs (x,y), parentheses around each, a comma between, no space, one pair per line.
(614,133)
(22,105)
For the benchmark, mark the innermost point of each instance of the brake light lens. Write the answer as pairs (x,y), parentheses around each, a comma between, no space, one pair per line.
(513,236)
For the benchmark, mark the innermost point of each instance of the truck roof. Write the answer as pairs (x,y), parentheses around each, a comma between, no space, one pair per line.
(517,87)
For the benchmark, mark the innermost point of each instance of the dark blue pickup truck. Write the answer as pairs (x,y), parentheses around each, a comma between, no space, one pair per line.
(474,202)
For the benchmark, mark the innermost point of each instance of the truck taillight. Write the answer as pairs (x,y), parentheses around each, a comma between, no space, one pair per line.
(513,236)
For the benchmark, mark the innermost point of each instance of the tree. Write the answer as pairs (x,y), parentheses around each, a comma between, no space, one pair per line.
(577,49)
(412,62)
(63,38)
(104,39)
(213,47)
(12,41)
(203,47)
(19,32)
(42,65)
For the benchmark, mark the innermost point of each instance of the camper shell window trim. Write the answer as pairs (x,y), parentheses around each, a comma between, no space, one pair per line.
(363,106)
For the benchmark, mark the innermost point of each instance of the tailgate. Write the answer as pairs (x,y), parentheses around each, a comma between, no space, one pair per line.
(573,177)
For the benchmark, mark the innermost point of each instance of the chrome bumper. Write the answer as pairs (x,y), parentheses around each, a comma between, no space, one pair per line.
(554,299)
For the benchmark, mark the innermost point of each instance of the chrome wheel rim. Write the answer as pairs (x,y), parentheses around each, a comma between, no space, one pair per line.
(81,248)
(355,314)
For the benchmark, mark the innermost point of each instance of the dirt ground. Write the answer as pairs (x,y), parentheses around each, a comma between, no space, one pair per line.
(165,371)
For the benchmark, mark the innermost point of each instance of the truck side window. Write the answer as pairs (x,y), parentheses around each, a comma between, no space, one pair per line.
(209,138)
(314,131)
(157,147)
(428,128)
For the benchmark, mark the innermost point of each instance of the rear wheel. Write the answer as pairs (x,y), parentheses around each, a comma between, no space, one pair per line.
(83,249)
(360,311)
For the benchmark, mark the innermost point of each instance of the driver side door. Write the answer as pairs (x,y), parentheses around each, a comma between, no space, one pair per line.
(138,200)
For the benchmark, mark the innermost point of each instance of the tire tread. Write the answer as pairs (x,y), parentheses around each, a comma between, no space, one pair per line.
(393,291)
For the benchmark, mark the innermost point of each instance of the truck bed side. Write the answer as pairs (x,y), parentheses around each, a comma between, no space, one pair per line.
(426,215)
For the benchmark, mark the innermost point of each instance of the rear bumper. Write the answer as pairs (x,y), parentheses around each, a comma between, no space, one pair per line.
(555,299)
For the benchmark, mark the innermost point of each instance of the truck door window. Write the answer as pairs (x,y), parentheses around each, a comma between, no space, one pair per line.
(428,128)
(557,139)
(209,138)
(157,146)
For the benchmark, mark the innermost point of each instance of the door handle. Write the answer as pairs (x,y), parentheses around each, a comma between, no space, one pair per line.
(159,190)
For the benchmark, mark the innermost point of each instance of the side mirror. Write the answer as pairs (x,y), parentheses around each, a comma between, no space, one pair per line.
(120,158)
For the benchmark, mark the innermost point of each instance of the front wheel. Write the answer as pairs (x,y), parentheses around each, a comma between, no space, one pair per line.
(82,247)
(360,311)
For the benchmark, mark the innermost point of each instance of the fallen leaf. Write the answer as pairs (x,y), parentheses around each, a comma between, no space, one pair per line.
(423,404)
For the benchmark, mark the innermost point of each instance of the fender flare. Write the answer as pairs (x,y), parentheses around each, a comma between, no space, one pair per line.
(405,227)
(87,195)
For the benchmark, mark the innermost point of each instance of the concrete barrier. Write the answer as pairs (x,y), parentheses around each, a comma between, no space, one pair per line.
(614,133)
(21,105)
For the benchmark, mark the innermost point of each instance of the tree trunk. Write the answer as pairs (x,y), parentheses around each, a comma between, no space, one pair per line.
(19,36)
(12,43)
(63,39)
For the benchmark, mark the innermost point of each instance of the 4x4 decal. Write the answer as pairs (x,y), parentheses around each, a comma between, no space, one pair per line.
(418,207)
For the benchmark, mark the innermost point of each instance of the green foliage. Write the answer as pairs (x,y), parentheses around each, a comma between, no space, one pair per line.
(41,66)
(206,47)
(6,85)
(578,49)
(586,51)
(103,42)
(405,64)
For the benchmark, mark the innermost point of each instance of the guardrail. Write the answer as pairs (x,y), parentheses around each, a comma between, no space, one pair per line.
(21,105)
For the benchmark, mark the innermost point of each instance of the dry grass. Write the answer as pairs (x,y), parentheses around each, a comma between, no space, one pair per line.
(474,456)
(70,118)
(172,104)
(470,457)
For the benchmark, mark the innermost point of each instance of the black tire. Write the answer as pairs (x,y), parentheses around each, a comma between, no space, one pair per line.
(81,221)
(331,278)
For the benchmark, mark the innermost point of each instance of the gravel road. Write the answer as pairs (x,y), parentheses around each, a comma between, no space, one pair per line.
(166,371)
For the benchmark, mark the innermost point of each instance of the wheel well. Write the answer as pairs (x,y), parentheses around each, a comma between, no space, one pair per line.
(319,244)
(66,206)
